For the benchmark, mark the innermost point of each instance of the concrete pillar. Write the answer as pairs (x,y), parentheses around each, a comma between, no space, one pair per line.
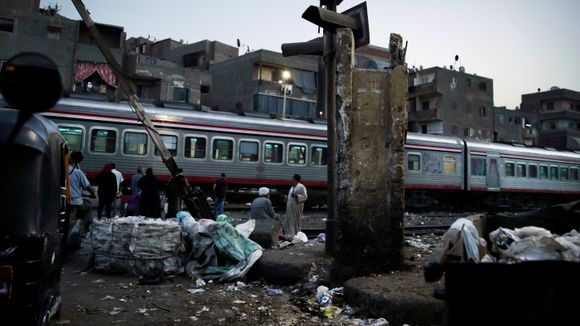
(371,129)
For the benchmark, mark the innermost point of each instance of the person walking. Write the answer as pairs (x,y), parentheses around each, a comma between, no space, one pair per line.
(295,206)
(107,183)
(149,202)
(219,190)
(117,208)
(79,211)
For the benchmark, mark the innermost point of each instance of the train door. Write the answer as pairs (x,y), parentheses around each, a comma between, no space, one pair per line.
(493,173)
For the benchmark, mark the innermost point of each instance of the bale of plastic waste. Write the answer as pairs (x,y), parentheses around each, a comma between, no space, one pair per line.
(136,246)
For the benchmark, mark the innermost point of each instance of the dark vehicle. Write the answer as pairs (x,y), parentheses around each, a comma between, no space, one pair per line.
(32,193)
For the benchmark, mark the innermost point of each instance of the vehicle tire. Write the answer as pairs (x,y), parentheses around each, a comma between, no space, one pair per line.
(47,302)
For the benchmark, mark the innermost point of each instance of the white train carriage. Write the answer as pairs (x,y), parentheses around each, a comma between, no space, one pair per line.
(518,169)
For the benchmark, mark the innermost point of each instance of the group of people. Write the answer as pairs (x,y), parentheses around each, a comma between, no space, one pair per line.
(262,207)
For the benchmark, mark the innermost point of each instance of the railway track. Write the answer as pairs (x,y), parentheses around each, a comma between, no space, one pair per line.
(409,230)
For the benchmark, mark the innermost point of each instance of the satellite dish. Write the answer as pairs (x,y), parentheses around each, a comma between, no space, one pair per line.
(421,67)
(554,88)
(456,57)
(539,89)
(238,42)
(462,69)
(451,67)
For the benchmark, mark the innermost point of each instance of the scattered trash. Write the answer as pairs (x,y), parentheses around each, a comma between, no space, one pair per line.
(108,297)
(378,322)
(240,284)
(100,280)
(143,311)
(417,243)
(331,311)
(300,237)
(238,301)
(223,218)
(203,309)
(313,278)
(323,296)
(193,318)
(63,322)
(321,238)
(116,310)
(271,292)
(199,282)
(122,300)
(195,291)
(246,228)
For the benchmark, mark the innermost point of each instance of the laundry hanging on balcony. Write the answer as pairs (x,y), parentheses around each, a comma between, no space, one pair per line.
(85,69)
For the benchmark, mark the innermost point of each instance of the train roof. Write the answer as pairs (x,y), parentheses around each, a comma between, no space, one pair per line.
(434,139)
(522,151)
(179,115)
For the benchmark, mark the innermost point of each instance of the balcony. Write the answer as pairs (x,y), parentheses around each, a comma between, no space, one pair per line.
(424,89)
(425,116)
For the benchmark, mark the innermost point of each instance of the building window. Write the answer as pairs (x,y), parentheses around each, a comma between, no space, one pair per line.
(521,171)
(543,172)
(6,25)
(482,86)
(550,106)
(454,130)
(449,164)
(424,129)
(425,105)
(533,171)
(73,137)
(318,155)
(223,149)
(180,94)
(509,170)
(249,151)
(135,143)
(53,32)
(273,153)
(554,173)
(482,111)
(171,144)
(501,118)
(150,61)
(297,154)
(564,174)
(195,147)
(468,83)
(466,132)
(103,140)
(478,167)
(413,162)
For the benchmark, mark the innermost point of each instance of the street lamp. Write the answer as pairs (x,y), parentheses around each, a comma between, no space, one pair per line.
(285,77)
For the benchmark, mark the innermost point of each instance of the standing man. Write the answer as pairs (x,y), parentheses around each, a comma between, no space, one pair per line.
(132,206)
(80,212)
(135,181)
(295,206)
(117,202)
(219,190)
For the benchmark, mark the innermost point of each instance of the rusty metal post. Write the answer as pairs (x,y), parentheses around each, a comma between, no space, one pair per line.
(330,58)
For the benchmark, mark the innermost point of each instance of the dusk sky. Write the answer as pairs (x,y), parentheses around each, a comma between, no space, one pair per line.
(521,44)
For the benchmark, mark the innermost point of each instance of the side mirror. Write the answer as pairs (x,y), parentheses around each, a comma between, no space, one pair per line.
(30,82)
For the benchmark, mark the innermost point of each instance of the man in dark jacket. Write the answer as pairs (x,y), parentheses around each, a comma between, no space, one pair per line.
(219,190)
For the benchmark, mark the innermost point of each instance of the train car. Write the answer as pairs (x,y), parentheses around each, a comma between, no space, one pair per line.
(251,151)
(514,175)
(434,169)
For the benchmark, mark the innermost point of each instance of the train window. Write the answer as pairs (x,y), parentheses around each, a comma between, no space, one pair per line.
(521,170)
(573,174)
(509,170)
(413,162)
(564,174)
(249,151)
(318,155)
(73,136)
(554,173)
(135,143)
(297,154)
(449,164)
(103,140)
(543,172)
(532,171)
(170,142)
(195,147)
(478,167)
(223,149)
(273,153)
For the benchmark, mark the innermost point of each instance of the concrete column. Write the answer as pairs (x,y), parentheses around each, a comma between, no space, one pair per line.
(371,129)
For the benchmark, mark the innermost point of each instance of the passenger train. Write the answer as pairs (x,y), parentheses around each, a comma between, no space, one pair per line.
(258,151)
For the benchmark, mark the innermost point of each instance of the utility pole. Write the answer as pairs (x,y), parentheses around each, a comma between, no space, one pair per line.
(195,207)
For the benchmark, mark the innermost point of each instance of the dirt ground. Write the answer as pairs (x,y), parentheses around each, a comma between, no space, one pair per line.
(89,298)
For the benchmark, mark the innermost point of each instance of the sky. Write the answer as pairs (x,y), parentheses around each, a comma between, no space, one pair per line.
(522,45)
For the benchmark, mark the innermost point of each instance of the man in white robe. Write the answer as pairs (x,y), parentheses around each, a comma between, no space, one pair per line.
(295,206)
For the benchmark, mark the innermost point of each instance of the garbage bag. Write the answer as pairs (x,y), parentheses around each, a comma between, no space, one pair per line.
(211,240)
(470,237)
(247,228)
(300,237)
